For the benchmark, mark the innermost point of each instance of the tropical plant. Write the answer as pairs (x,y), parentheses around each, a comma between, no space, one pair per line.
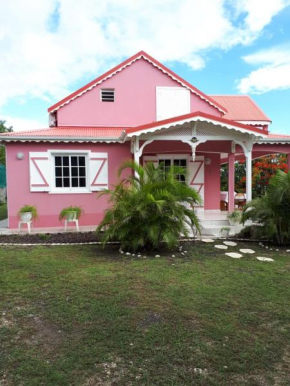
(3,129)
(29,209)
(272,211)
(71,210)
(149,209)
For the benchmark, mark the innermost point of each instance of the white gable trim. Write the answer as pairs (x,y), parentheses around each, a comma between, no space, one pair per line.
(195,119)
(127,65)
(255,122)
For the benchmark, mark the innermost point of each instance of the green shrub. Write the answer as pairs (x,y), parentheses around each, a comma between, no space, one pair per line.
(150,209)
(272,211)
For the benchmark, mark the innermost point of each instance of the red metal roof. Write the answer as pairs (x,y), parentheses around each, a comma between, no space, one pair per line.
(241,108)
(71,132)
(278,136)
(197,114)
(127,62)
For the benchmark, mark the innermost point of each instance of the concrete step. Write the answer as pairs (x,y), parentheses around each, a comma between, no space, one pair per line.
(217,231)
(214,222)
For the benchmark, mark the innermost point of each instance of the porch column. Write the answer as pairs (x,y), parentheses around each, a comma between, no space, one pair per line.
(231,182)
(135,149)
(248,155)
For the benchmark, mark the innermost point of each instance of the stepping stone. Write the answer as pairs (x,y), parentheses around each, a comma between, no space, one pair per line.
(230,243)
(234,255)
(264,259)
(221,246)
(247,251)
(207,240)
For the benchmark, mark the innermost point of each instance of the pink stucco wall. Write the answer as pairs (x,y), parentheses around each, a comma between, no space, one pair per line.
(135,100)
(50,205)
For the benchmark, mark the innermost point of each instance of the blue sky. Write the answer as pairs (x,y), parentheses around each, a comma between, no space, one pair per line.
(50,48)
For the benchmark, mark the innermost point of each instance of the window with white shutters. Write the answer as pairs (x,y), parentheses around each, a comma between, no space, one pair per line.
(70,171)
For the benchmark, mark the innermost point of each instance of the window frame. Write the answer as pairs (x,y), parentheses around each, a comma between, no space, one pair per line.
(71,153)
(172,157)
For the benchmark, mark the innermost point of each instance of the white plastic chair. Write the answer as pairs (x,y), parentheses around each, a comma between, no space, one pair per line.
(66,222)
(29,225)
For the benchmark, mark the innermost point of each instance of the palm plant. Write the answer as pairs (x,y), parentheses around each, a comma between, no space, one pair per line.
(149,209)
(272,211)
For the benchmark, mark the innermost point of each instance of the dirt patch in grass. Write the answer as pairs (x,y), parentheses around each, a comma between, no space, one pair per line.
(46,238)
(43,334)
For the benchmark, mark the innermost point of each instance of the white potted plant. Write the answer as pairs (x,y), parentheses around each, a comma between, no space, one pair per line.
(225,231)
(71,213)
(28,213)
(235,217)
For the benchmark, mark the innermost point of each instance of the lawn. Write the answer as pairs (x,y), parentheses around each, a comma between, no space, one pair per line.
(3,211)
(81,315)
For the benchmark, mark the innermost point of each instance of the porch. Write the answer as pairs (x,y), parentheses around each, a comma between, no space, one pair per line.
(199,144)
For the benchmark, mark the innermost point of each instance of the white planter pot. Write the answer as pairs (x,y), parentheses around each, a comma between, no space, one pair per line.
(71,216)
(225,232)
(26,217)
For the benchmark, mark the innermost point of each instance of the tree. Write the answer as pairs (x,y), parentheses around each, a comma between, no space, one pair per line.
(263,169)
(150,209)
(272,210)
(3,129)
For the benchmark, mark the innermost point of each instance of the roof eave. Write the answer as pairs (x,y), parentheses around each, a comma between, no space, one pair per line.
(120,139)
(273,140)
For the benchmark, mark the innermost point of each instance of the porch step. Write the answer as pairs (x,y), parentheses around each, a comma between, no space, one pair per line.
(216,230)
(215,222)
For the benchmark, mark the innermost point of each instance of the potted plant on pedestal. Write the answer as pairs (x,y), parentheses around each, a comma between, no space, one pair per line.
(28,213)
(235,217)
(71,213)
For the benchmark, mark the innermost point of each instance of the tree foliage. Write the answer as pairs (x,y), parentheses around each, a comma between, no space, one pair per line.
(3,129)
(149,209)
(271,211)
(263,169)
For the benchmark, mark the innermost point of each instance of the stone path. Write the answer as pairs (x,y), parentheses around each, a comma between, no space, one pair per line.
(234,255)
(230,243)
(221,246)
(250,251)
(264,258)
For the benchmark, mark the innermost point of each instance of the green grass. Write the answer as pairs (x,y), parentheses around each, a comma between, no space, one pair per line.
(3,211)
(87,316)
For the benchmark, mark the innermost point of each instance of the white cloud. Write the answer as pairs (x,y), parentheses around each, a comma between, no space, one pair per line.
(22,124)
(259,13)
(48,45)
(273,74)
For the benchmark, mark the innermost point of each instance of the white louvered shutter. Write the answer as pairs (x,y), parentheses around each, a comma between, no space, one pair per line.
(196,175)
(39,168)
(98,171)
(172,102)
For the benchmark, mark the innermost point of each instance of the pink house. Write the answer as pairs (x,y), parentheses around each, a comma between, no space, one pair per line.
(138,110)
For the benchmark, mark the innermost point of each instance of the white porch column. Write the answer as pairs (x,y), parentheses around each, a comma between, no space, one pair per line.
(248,155)
(231,182)
(135,149)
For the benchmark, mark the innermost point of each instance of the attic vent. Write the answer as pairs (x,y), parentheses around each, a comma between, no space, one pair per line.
(108,95)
